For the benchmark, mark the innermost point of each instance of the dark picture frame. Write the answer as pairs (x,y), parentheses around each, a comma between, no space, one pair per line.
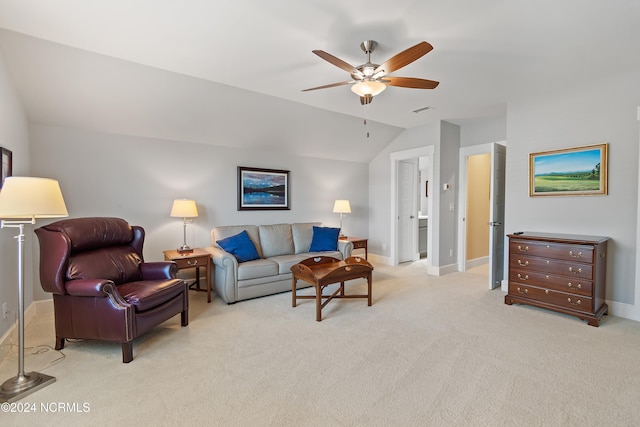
(263,189)
(6,165)
(578,171)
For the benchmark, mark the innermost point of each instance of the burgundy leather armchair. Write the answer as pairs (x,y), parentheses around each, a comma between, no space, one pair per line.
(102,288)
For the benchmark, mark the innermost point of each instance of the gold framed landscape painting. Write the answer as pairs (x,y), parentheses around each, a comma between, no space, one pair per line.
(580,171)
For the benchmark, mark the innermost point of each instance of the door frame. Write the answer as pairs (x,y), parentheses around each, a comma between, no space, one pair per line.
(395,157)
(465,152)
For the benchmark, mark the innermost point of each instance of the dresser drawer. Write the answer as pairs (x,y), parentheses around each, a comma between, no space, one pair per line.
(561,251)
(552,266)
(559,283)
(561,299)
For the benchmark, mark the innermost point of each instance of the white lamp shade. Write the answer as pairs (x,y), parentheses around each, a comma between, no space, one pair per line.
(368,87)
(28,197)
(184,208)
(342,206)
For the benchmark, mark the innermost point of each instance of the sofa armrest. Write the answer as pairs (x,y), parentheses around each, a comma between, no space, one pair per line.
(225,273)
(160,270)
(345,247)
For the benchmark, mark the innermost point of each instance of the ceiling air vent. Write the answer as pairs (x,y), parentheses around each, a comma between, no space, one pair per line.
(420,110)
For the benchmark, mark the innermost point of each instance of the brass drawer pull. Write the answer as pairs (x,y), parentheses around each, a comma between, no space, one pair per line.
(526,291)
(574,303)
(523,248)
(576,287)
(578,255)
(578,271)
(523,264)
(526,277)
(194,262)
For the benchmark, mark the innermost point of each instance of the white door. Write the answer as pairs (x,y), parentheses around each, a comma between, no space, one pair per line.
(496,234)
(407,211)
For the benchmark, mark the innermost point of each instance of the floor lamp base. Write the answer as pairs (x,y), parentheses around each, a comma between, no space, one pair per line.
(21,386)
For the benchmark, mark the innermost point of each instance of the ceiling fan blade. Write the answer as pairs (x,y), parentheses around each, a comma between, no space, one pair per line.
(403,58)
(410,82)
(328,86)
(336,61)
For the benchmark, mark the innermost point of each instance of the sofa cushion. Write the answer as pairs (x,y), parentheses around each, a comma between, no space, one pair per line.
(302,234)
(324,239)
(224,231)
(240,246)
(257,268)
(276,240)
(285,262)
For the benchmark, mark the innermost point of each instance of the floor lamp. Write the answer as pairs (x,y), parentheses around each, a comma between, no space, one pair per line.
(22,198)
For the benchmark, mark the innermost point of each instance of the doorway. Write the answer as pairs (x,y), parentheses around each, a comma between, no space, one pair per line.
(404,219)
(489,224)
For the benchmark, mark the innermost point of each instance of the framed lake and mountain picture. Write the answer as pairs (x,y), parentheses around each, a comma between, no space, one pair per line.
(578,171)
(262,189)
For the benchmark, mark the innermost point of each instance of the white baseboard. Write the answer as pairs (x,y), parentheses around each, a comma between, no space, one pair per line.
(11,336)
(441,271)
(379,259)
(626,311)
(477,262)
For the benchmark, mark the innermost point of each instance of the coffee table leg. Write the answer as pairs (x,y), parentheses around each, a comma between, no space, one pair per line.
(318,303)
(293,291)
(369,280)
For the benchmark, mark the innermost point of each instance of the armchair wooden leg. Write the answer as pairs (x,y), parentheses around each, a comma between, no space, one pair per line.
(127,352)
(184,318)
(59,343)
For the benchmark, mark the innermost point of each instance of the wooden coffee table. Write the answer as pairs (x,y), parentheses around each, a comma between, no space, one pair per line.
(322,271)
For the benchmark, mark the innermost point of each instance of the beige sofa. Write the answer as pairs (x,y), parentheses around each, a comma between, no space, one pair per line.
(279,246)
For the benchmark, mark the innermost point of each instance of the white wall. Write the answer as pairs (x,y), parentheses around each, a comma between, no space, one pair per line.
(605,111)
(14,136)
(445,138)
(380,183)
(449,165)
(483,131)
(138,179)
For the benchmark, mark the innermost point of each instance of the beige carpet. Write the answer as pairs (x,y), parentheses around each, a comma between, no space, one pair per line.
(431,351)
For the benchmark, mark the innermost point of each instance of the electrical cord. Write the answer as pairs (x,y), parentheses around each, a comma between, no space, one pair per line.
(32,351)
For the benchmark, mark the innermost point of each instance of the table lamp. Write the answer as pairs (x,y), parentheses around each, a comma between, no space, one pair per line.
(22,198)
(185,209)
(342,207)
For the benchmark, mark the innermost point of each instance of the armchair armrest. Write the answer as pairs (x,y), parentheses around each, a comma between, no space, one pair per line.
(96,288)
(158,270)
(89,287)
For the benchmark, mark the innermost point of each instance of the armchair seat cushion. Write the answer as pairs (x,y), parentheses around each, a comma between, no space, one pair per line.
(147,294)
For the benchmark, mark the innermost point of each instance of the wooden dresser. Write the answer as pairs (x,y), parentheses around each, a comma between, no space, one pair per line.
(560,272)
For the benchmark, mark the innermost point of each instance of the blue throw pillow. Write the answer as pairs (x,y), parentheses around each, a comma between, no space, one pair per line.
(240,246)
(324,239)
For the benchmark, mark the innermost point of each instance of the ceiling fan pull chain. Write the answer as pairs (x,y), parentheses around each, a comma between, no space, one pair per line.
(366,119)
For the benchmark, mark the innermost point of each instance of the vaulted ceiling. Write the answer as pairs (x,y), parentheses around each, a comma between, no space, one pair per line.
(232,73)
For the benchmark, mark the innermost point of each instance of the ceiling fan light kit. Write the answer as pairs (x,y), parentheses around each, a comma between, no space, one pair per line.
(371,79)
(368,87)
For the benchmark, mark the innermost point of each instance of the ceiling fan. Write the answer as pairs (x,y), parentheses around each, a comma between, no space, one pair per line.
(371,79)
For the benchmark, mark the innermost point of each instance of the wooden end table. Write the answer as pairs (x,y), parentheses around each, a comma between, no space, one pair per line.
(358,243)
(322,271)
(196,259)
